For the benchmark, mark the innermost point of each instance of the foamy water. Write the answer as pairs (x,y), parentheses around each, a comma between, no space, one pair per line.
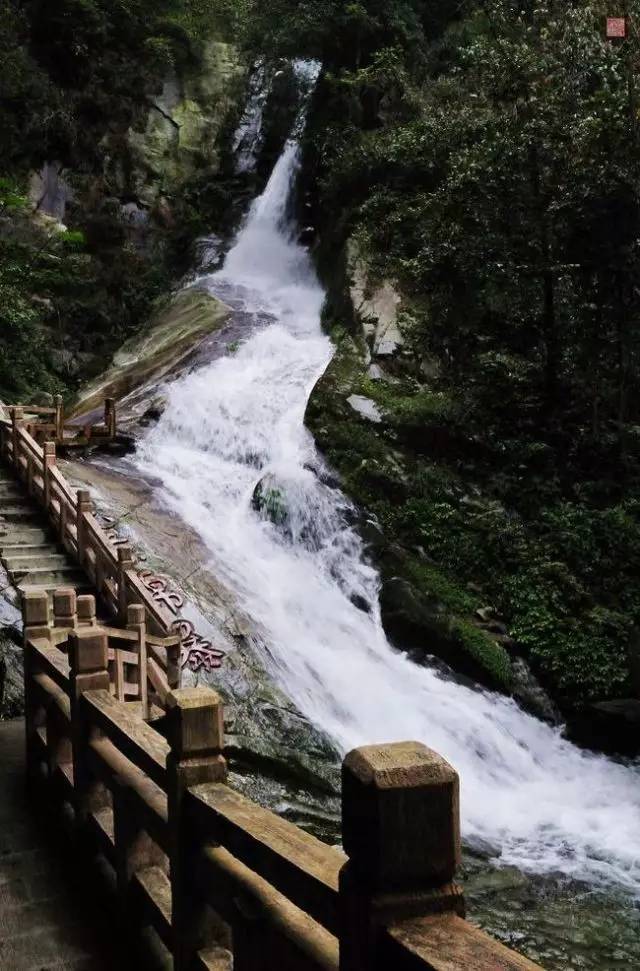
(544,805)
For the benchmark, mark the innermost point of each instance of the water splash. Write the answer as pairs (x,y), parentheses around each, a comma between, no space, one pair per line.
(543,804)
(248,137)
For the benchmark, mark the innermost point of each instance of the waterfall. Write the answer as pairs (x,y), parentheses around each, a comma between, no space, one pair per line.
(541,803)
(248,137)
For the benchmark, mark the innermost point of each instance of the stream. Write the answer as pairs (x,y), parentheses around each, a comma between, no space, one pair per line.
(530,800)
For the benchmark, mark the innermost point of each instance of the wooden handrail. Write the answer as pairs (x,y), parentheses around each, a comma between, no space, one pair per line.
(291,860)
(181,840)
(54,430)
(143,746)
(80,534)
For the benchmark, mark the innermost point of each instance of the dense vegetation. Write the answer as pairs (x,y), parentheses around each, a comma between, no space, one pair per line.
(76,76)
(483,156)
(490,167)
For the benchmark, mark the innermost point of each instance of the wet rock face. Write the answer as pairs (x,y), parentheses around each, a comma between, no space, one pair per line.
(49,191)
(609,726)
(11,672)
(11,678)
(182,133)
(268,499)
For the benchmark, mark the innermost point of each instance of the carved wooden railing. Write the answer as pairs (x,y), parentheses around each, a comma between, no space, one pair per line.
(109,567)
(48,424)
(217,877)
(143,667)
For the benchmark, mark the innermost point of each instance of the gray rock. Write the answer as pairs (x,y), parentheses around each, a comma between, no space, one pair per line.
(11,677)
(365,407)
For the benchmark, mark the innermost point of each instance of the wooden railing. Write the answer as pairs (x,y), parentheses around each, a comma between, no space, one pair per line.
(109,567)
(215,876)
(142,667)
(48,424)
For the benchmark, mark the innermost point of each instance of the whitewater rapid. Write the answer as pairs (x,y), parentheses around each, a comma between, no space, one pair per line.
(536,800)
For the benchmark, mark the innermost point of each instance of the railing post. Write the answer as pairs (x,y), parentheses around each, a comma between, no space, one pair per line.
(49,460)
(136,620)
(59,419)
(83,505)
(125,562)
(65,607)
(36,615)
(88,671)
(195,732)
(401,832)
(17,421)
(30,474)
(36,623)
(110,416)
(86,608)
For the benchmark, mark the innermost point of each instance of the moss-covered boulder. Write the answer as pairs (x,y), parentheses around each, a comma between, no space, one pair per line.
(424,609)
(182,136)
(168,338)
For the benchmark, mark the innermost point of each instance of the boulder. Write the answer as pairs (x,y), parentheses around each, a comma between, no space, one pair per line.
(11,676)
(608,726)
(417,621)
(269,500)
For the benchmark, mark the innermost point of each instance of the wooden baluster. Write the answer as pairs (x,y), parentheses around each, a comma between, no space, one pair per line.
(136,620)
(118,670)
(195,732)
(134,851)
(100,572)
(83,506)
(17,422)
(62,523)
(36,623)
(59,747)
(125,562)
(30,474)
(59,419)
(110,416)
(174,653)
(88,672)
(65,611)
(401,832)
(86,610)
(49,460)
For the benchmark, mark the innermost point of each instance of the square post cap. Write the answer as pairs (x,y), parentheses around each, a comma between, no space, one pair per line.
(64,602)
(195,726)
(88,651)
(400,817)
(35,608)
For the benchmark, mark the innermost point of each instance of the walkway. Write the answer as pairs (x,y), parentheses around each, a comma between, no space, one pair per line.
(45,922)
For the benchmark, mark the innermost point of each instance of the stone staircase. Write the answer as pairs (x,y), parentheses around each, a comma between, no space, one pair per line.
(34,561)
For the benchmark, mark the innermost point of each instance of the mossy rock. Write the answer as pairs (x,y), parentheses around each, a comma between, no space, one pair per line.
(423,610)
(422,619)
(170,335)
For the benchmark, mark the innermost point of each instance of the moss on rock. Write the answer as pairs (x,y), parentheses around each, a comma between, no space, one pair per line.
(424,608)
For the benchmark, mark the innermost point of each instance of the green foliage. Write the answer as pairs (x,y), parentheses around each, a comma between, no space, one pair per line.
(492,169)
(484,650)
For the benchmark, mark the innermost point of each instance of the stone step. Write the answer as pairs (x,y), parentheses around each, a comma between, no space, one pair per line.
(9,489)
(18,514)
(43,548)
(17,563)
(15,534)
(65,576)
(11,501)
(78,581)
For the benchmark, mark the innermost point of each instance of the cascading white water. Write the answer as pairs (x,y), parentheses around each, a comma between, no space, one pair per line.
(542,803)
(248,136)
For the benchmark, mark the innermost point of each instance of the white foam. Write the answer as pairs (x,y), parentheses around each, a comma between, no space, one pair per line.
(544,804)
